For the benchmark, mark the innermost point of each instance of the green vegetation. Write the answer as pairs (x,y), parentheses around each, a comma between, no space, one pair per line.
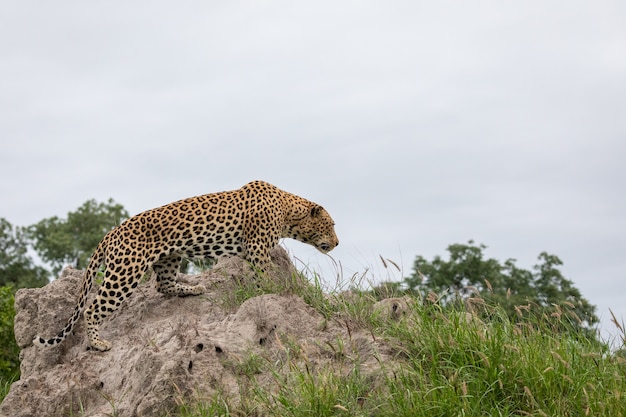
(433,360)
(9,351)
(467,271)
(17,269)
(71,241)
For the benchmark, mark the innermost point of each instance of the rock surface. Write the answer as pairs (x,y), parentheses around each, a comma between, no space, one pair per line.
(165,349)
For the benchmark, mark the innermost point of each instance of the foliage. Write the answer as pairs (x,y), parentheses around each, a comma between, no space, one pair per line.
(72,240)
(16,267)
(9,351)
(433,361)
(17,270)
(467,272)
(456,366)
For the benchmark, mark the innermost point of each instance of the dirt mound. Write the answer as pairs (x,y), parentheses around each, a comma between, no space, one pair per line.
(165,349)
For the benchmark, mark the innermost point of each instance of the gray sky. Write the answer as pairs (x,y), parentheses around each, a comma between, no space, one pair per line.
(416,124)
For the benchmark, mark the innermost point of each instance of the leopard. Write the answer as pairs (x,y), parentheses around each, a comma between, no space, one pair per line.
(247,222)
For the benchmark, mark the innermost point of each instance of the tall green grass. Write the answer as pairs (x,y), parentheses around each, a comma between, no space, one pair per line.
(451,367)
(5,385)
(431,361)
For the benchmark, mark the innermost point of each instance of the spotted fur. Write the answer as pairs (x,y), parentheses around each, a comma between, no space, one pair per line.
(247,222)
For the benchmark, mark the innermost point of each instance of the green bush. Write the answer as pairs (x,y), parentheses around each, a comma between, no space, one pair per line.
(9,351)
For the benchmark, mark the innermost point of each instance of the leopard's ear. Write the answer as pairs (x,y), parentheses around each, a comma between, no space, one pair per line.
(316,210)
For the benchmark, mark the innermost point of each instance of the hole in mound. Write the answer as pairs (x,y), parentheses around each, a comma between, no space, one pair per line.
(198,348)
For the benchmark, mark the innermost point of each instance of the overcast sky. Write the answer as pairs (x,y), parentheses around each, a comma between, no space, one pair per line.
(416,124)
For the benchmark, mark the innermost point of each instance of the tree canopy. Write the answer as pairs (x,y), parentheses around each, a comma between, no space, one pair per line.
(72,240)
(467,271)
(17,268)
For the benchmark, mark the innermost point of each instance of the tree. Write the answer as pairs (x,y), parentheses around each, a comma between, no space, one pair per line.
(553,288)
(72,240)
(9,350)
(17,269)
(467,271)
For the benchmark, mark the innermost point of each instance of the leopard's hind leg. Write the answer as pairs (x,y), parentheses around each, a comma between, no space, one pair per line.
(116,287)
(166,270)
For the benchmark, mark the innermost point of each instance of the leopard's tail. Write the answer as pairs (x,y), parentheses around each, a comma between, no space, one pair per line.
(92,269)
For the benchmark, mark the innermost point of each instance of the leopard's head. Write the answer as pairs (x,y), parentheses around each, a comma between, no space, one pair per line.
(316,228)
